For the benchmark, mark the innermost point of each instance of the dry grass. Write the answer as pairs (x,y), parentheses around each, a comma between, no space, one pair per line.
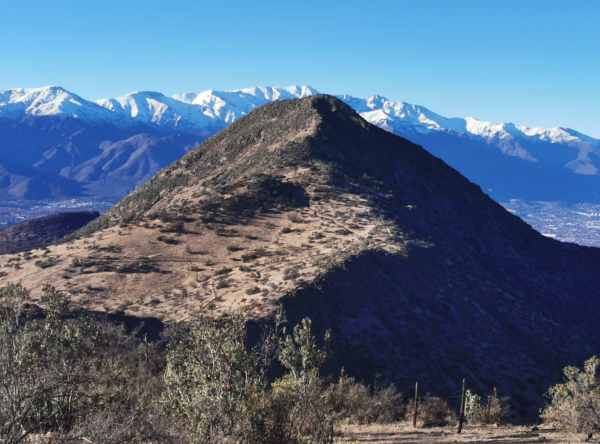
(185,272)
(404,433)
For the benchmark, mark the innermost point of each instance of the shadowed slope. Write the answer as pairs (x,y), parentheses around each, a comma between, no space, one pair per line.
(42,231)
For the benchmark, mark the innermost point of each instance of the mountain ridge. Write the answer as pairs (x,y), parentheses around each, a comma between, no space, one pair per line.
(565,162)
(398,111)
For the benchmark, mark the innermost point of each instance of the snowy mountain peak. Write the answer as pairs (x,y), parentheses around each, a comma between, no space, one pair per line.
(262,94)
(411,120)
(210,111)
(204,111)
(37,97)
(374,100)
(49,101)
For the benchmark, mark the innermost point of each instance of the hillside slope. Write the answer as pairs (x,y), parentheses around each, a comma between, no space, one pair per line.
(42,231)
(420,275)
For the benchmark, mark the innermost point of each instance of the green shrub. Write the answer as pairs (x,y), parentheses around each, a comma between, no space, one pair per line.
(210,374)
(70,376)
(167,240)
(139,266)
(257,253)
(343,232)
(217,385)
(223,283)
(494,411)
(46,263)
(291,273)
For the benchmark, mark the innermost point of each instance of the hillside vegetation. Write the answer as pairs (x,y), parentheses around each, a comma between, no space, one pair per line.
(205,381)
(417,273)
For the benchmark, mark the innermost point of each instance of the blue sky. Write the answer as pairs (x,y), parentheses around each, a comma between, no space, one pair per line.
(528,62)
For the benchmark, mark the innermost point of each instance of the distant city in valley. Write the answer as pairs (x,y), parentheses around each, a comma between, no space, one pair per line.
(577,223)
(13,212)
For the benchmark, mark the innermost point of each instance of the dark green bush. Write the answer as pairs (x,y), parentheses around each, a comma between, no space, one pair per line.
(46,263)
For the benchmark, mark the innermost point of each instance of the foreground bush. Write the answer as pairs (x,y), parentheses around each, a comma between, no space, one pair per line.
(432,412)
(574,405)
(74,378)
(495,410)
(66,378)
(211,373)
(357,403)
(217,385)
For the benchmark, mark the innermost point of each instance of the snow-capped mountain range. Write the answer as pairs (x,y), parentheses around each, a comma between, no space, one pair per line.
(113,145)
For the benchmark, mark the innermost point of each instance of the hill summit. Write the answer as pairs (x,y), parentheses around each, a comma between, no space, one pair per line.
(419,274)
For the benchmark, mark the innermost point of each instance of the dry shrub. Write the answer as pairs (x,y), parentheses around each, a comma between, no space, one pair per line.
(432,412)
(173,227)
(494,411)
(270,419)
(574,405)
(97,383)
(358,403)
(217,386)
(295,218)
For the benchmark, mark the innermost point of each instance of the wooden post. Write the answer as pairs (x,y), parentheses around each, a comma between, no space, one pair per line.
(416,404)
(462,410)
